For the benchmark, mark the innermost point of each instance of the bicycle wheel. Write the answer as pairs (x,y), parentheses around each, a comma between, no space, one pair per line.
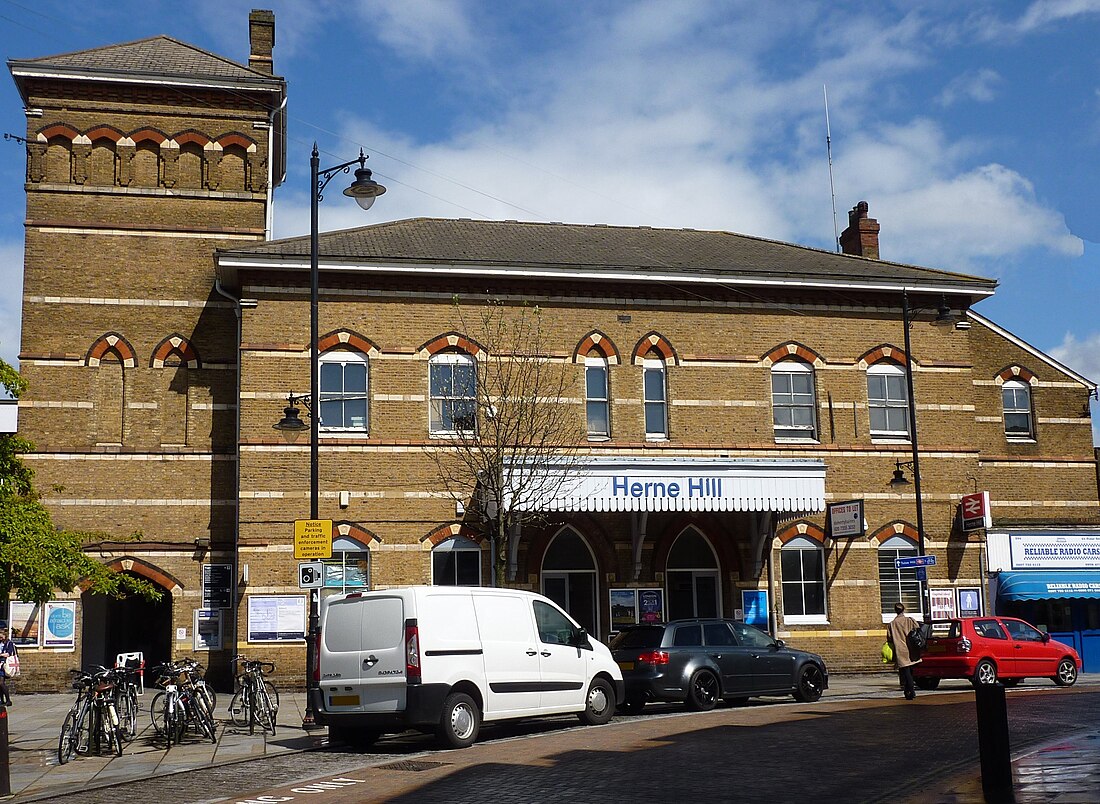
(156,713)
(265,715)
(203,718)
(209,696)
(238,708)
(112,732)
(126,706)
(66,743)
(273,696)
(83,736)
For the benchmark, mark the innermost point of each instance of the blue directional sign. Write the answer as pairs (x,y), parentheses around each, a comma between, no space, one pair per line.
(914,561)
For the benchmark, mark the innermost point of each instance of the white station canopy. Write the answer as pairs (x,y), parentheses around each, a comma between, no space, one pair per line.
(666,484)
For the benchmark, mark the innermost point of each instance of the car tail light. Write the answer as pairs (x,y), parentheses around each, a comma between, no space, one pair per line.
(412,652)
(654,657)
(316,648)
(964,645)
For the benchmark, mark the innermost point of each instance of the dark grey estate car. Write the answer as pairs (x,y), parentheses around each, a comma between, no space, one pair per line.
(701,661)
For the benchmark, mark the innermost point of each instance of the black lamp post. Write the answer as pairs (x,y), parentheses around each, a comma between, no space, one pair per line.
(944,317)
(364,190)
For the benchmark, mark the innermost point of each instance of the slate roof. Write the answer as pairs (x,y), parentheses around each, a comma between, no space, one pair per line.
(596,247)
(156,56)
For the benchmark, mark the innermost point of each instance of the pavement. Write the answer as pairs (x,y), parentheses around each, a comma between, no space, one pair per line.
(1063,770)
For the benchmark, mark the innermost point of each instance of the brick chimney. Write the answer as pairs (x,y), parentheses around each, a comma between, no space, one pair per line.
(261,40)
(861,236)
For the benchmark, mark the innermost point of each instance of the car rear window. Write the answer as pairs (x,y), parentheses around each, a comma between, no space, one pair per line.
(946,629)
(646,637)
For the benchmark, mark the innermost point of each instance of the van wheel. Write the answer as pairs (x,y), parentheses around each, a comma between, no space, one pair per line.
(460,721)
(702,691)
(358,739)
(927,682)
(599,704)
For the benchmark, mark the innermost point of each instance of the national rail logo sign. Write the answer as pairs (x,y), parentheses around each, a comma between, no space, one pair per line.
(974,510)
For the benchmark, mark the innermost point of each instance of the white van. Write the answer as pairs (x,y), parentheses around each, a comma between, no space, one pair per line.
(446,658)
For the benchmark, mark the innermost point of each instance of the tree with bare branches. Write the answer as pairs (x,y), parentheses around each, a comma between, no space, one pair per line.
(511,433)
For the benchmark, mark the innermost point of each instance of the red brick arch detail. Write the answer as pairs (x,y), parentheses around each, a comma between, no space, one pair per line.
(655,341)
(439,535)
(884,353)
(235,138)
(1015,372)
(598,341)
(443,344)
(586,527)
(711,528)
(108,341)
(354,531)
(149,134)
(58,130)
(801,352)
(801,527)
(184,349)
(146,570)
(898,527)
(104,132)
(185,137)
(354,340)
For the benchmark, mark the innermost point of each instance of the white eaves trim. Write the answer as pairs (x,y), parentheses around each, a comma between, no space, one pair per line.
(609,274)
(1050,361)
(260,85)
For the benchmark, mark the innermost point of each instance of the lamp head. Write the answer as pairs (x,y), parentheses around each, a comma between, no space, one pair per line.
(364,189)
(291,425)
(945,316)
(899,479)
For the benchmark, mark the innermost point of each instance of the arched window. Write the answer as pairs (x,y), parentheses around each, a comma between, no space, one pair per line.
(232,168)
(349,567)
(145,168)
(654,382)
(456,562)
(59,156)
(569,577)
(898,585)
(452,381)
(1016,396)
(802,562)
(344,386)
(190,166)
(793,405)
(887,400)
(101,163)
(692,577)
(597,399)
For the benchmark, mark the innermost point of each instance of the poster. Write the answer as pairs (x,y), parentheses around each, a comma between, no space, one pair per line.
(59,624)
(24,623)
(624,608)
(755,604)
(276,618)
(970,602)
(651,605)
(943,603)
(208,629)
(217,586)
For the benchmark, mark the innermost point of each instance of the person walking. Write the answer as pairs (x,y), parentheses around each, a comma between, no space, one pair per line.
(7,648)
(896,633)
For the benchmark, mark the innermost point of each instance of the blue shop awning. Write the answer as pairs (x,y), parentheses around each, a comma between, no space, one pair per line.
(1047,585)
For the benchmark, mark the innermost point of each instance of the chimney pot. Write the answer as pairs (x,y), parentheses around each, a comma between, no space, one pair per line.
(861,236)
(261,40)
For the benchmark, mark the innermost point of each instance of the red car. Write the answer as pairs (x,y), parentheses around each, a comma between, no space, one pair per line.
(988,649)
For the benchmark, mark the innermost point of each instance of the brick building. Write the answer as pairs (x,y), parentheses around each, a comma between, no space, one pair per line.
(722,390)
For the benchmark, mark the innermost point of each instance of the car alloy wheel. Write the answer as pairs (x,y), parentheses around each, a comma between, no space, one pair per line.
(811,683)
(1067,673)
(703,691)
(985,673)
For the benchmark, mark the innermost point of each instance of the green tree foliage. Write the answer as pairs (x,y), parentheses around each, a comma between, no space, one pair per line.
(35,557)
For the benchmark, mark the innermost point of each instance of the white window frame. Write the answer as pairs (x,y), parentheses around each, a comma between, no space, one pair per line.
(342,547)
(890,401)
(343,358)
(897,544)
(452,359)
(653,365)
(597,364)
(801,544)
(794,432)
(457,544)
(1016,386)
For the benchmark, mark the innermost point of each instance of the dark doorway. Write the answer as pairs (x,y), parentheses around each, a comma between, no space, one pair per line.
(131,624)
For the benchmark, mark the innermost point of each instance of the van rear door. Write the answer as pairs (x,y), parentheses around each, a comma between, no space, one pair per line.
(363,656)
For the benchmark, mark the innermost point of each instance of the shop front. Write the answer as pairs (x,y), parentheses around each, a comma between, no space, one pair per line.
(1051,578)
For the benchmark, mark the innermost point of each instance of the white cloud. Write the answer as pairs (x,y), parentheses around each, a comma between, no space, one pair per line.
(1043,12)
(1083,356)
(979,85)
(426,29)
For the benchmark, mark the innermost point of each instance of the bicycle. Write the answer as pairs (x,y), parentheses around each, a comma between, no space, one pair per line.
(256,699)
(184,701)
(93,719)
(126,701)
(74,737)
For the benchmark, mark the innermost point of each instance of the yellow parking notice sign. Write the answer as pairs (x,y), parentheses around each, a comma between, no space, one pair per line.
(313,538)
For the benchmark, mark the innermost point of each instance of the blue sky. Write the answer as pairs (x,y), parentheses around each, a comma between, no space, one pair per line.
(972,129)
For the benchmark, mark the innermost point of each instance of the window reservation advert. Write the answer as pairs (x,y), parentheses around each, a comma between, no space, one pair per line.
(1055,551)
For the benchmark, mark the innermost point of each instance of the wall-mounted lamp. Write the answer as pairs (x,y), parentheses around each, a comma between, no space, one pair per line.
(460,509)
(244,575)
(899,479)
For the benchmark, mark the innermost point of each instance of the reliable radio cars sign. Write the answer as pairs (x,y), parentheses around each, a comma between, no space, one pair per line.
(1055,551)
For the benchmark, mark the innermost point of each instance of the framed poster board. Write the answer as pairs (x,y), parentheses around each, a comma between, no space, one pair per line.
(276,618)
(651,605)
(755,604)
(970,601)
(217,586)
(208,629)
(943,603)
(59,624)
(624,607)
(25,622)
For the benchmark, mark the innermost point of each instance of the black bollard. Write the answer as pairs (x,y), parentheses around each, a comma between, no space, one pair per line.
(993,745)
(5,767)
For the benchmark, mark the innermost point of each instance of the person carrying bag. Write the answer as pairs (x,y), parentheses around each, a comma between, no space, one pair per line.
(9,666)
(897,635)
